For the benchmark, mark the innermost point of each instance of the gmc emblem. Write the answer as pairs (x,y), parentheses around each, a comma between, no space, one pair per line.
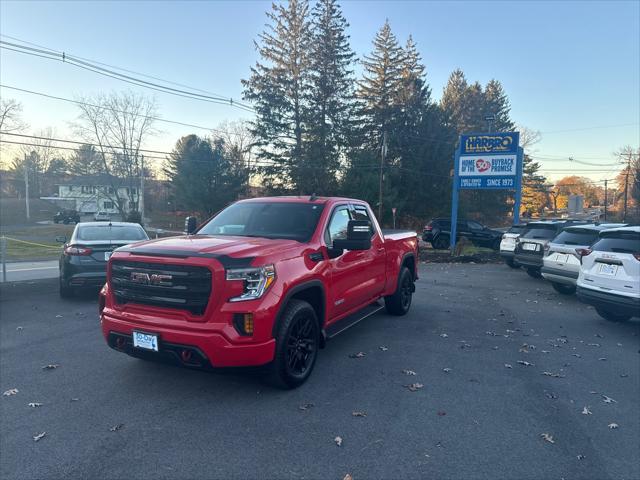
(153,279)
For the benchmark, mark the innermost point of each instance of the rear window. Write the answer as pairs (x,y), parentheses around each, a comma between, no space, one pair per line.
(576,237)
(618,242)
(113,232)
(540,232)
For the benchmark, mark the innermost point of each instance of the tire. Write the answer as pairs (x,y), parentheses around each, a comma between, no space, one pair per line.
(65,290)
(496,244)
(511,262)
(611,316)
(563,289)
(400,302)
(297,344)
(534,272)
(441,242)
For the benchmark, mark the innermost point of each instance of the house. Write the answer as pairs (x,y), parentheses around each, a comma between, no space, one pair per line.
(96,193)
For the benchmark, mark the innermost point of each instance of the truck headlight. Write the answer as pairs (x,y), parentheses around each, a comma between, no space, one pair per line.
(256,281)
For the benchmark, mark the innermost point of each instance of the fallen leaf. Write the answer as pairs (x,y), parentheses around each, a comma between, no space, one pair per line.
(613,426)
(306,406)
(51,366)
(38,437)
(357,355)
(547,437)
(75,399)
(593,344)
(58,316)
(383,348)
(577,355)
(580,457)
(551,395)
(586,411)
(602,359)
(444,335)
(441,413)
(624,375)
(508,365)
(34,404)
(554,375)
(19,328)
(117,427)
(546,351)
(446,370)
(414,386)
(526,364)
(606,399)
(619,344)
(347,477)
(11,391)
(359,414)
(338,441)
(408,372)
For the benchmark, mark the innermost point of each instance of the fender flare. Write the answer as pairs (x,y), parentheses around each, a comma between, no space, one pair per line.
(297,289)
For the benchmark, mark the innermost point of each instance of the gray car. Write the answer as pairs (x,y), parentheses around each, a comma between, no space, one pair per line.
(561,265)
(83,262)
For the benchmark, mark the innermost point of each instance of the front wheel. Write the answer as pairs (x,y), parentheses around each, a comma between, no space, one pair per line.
(611,316)
(297,343)
(564,289)
(400,302)
(534,272)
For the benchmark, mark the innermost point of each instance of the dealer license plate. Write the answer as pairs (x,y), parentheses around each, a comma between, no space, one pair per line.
(146,341)
(606,269)
(532,247)
(107,255)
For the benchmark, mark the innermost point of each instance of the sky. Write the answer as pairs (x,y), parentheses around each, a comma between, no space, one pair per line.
(571,69)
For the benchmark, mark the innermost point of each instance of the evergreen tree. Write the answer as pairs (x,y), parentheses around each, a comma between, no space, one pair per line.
(278,87)
(85,161)
(204,175)
(330,99)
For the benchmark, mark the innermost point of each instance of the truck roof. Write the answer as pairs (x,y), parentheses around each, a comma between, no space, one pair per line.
(302,199)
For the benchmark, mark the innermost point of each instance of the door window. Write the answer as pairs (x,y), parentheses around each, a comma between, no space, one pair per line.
(337,228)
(474,225)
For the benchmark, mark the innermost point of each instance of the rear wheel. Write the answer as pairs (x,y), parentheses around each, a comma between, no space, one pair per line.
(612,316)
(297,343)
(400,302)
(65,290)
(534,272)
(564,289)
(441,242)
(511,262)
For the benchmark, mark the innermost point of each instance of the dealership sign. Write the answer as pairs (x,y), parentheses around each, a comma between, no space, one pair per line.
(488,161)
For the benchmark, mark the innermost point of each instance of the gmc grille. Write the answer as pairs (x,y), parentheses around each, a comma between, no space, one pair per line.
(182,287)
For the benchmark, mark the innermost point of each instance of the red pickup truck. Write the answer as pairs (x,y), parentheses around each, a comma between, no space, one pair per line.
(264,282)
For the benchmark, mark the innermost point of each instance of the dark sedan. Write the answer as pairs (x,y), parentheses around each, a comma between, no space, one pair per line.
(438,232)
(83,262)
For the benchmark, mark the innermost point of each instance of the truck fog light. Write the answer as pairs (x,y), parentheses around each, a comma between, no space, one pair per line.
(243,323)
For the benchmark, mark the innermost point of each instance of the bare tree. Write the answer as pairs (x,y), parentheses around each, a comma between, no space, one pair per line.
(118,124)
(11,115)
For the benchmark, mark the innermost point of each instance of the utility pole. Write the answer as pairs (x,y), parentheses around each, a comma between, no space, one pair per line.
(383,153)
(626,188)
(26,185)
(141,192)
(606,200)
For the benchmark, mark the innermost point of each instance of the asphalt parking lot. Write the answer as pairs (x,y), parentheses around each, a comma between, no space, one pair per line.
(503,359)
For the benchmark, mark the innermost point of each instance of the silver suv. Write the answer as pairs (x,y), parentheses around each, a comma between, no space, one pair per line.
(508,244)
(561,265)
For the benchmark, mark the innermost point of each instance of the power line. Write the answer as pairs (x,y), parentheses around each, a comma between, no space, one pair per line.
(150,117)
(62,148)
(77,62)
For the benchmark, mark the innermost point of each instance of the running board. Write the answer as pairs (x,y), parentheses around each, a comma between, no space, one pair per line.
(348,322)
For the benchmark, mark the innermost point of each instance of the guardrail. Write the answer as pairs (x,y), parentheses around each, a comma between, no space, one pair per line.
(4,240)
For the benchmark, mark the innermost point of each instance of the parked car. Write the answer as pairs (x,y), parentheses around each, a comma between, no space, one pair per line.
(508,244)
(83,262)
(66,216)
(561,265)
(265,281)
(102,217)
(609,277)
(438,232)
(533,242)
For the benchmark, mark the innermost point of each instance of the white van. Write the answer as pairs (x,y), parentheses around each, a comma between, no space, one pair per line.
(609,276)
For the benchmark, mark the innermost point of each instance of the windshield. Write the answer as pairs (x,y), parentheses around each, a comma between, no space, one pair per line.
(294,221)
(576,237)
(540,232)
(111,232)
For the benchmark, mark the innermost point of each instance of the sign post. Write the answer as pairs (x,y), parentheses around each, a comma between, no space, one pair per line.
(487,161)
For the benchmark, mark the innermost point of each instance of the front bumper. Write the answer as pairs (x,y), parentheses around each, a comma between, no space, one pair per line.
(208,348)
(610,301)
(558,275)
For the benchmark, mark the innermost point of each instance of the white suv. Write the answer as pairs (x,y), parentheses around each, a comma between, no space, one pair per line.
(561,266)
(610,274)
(508,244)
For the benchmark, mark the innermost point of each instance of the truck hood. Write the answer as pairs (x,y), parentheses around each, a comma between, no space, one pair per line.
(214,245)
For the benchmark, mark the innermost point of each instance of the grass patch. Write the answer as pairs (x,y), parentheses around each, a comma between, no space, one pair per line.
(18,251)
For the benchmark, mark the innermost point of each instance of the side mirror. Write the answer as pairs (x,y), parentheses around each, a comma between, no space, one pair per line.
(61,239)
(190,225)
(358,236)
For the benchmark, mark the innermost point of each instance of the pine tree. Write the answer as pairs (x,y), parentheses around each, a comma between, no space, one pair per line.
(278,87)
(496,103)
(331,96)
